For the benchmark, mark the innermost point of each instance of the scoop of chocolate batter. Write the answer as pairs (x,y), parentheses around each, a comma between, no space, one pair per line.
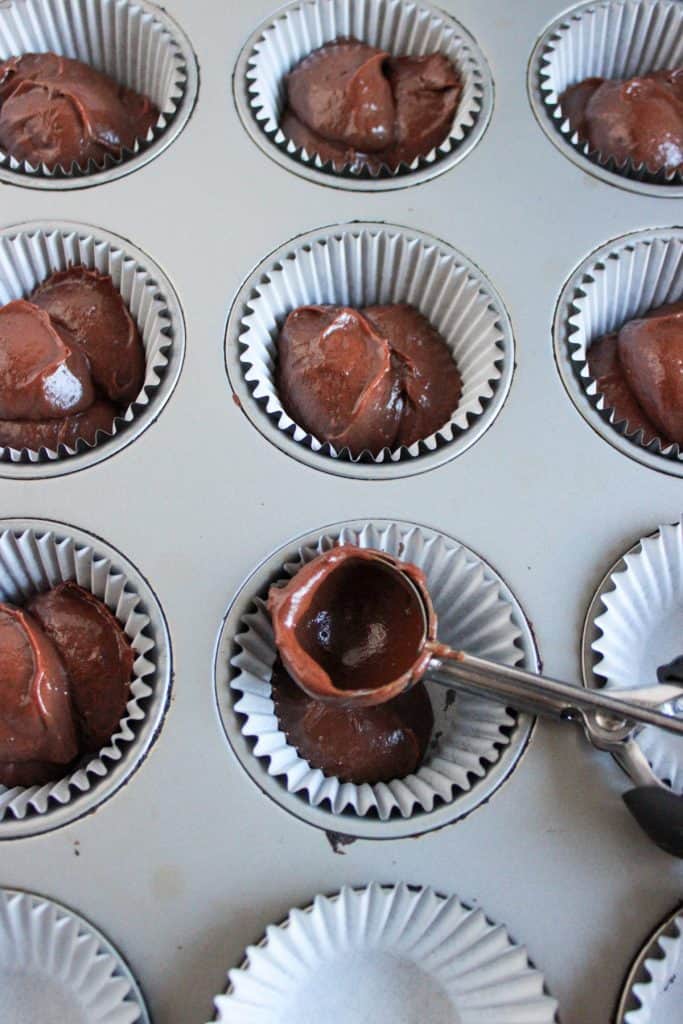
(335,378)
(353,104)
(88,305)
(639,370)
(428,376)
(426,92)
(96,654)
(341,92)
(65,669)
(71,360)
(640,119)
(43,372)
(35,703)
(366,379)
(651,356)
(375,744)
(59,112)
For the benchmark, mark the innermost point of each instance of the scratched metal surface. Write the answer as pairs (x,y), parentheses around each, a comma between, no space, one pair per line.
(189,862)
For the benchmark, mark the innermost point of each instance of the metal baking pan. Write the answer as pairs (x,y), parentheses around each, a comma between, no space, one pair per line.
(184,865)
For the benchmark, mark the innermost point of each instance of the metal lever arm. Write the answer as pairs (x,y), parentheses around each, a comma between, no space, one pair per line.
(598,712)
(608,721)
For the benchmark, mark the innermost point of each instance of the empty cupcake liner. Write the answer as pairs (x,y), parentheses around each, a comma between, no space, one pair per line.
(469,734)
(134,42)
(56,967)
(35,556)
(397,26)
(394,953)
(360,265)
(638,627)
(654,986)
(29,253)
(617,39)
(618,282)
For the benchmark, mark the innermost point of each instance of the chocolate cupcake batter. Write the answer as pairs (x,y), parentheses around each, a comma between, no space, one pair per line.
(37,434)
(59,112)
(43,372)
(367,379)
(357,106)
(35,704)
(96,655)
(639,370)
(639,120)
(375,744)
(65,669)
(86,303)
(71,361)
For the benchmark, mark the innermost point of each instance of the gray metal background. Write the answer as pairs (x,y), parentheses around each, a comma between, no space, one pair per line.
(189,862)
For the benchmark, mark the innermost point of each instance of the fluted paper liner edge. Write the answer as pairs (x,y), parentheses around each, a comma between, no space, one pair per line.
(463,960)
(41,941)
(662,967)
(640,630)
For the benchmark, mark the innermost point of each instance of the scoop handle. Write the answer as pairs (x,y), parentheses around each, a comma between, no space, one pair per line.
(599,712)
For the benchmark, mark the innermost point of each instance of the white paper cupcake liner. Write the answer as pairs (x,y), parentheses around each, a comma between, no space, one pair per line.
(56,968)
(361,265)
(29,253)
(654,987)
(619,282)
(35,556)
(394,953)
(641,629)
(396,26)
(469,733)
(132,41)
(617,39)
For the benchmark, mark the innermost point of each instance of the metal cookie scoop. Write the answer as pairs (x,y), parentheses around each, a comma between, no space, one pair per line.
(357,627)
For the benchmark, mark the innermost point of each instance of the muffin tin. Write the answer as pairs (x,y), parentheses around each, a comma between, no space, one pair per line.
(185,865)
